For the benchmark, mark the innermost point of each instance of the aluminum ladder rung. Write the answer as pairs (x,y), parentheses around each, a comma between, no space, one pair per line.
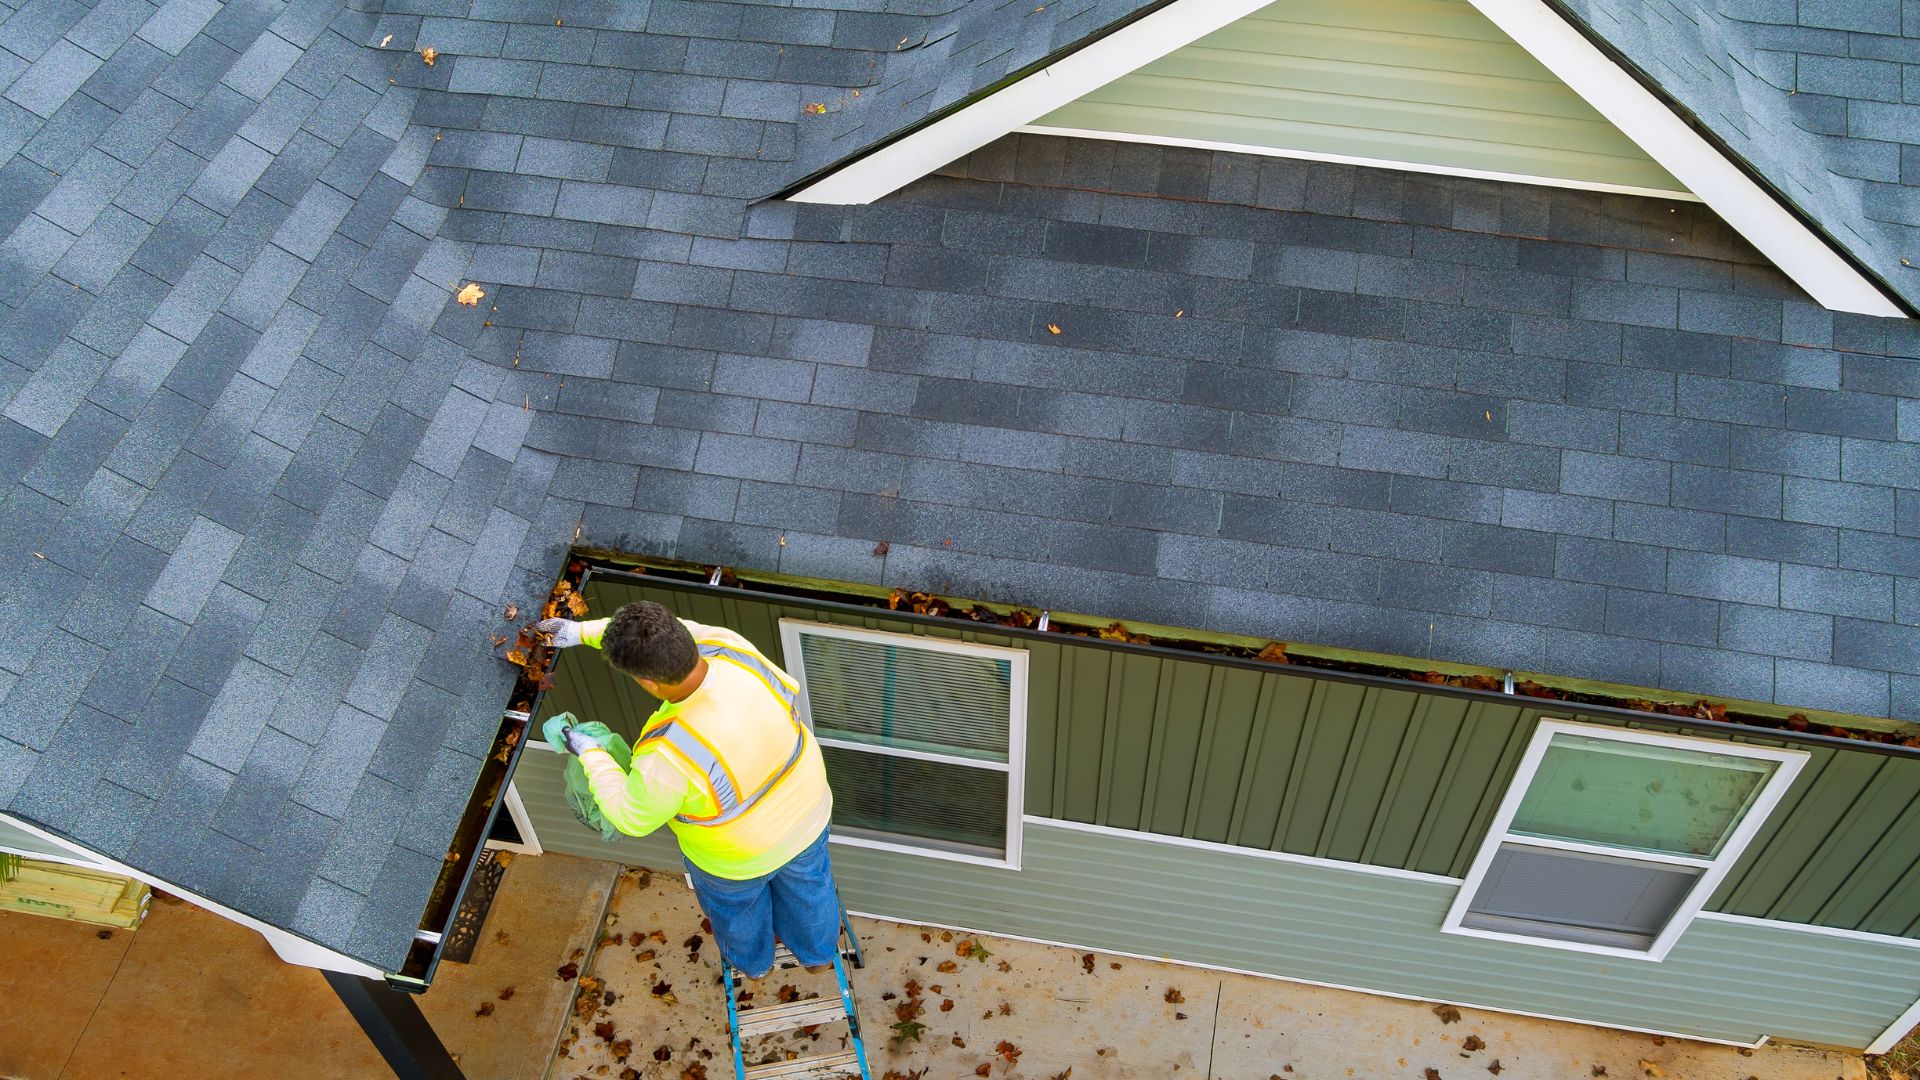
(837,1064)
(789,1015)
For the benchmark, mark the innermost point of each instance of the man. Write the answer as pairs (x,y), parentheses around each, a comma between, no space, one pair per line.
(725,764)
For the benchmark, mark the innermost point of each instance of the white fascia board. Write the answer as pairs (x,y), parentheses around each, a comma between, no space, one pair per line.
(290,947)
(1902,1024)
(1068,79)
(1755,214)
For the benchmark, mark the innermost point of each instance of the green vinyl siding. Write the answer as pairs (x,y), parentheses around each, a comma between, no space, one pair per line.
(1279,761)
(1422,82)
(1345,926)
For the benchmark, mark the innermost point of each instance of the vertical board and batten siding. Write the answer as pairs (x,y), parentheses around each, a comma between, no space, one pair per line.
(1420,82)
(1280,762)
(1328,924)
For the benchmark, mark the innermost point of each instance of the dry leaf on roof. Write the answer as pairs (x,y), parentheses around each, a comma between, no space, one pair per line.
(470,295)
(385,41)
(428,54)
(1053,328)
(815,108)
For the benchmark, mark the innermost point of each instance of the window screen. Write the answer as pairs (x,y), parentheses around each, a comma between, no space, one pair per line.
(1575,896)
(923,737)
(1612,838)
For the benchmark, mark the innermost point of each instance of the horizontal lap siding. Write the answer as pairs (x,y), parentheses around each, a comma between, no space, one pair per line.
(1426,82)
(1332,925)
(1275,761)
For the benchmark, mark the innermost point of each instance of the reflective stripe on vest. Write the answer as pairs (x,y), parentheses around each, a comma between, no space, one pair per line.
(754,664)
(703,757)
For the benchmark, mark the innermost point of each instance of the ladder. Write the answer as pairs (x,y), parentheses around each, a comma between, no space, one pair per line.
(793,1015)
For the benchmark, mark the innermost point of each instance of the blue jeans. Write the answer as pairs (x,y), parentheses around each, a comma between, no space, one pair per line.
(798,902)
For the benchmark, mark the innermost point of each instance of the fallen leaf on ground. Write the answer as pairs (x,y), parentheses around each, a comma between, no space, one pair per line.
(1175,997)
(1062,1075)
(568,970)
(1473,1042)
(984,1068)
(1005,967)
(1086,963)
(507,994)
(1651,1069)
(629,1073)
(604,1030)
(485,1009)
(959,1042)
(644,955)
(663,1052)
(1447,1014)
(947,1005)
(1006,1009)
(1433,1074)
(908,1030)
(947,967)
(428,54)
(622,1049)
(470,297)
(1009,1051)
(1495,1067)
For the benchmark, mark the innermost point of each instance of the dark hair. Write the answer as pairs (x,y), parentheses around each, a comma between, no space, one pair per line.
(646,641)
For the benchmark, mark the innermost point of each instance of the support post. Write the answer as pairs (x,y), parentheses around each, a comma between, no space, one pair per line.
(393,1020)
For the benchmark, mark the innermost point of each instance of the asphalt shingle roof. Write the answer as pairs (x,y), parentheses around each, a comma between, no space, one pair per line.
(267,488)
(1821,98)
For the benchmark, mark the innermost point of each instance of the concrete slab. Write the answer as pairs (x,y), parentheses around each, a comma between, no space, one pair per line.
(1031,1012)
(190,994)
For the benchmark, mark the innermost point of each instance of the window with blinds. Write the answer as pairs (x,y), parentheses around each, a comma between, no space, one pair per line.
(1611,839)
(924,737)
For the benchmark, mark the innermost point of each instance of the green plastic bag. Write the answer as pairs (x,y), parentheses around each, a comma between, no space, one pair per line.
(579,794)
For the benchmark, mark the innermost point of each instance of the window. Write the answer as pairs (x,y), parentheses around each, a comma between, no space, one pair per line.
(1610,840)
(924,738)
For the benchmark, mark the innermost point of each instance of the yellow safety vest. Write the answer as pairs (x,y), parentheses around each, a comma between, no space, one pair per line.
(764,782)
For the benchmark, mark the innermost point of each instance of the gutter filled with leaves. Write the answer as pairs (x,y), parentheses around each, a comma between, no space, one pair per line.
(1630,704)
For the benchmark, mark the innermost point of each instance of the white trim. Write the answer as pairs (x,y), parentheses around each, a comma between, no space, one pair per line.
(86,862)
(289,946)
(1891,1037)
(1660,857)
(920,851)
(1367,162)
(1255,853)
(1071,77)
(1312,982)
(1788,765)
(1795,249)
(1015,767)
(915,755)
(1863,936)
(522,822)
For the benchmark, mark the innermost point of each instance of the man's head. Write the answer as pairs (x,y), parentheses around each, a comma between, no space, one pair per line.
(646,642)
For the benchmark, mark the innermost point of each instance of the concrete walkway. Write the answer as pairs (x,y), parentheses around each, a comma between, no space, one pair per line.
(1032,1011)
(191,995)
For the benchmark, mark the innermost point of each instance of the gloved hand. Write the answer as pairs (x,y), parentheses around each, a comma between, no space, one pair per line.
(555,731)
(579,742)
(561,633)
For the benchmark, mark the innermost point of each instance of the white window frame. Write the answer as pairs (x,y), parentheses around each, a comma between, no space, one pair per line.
(522,821)
(1014,767)
(1713,871)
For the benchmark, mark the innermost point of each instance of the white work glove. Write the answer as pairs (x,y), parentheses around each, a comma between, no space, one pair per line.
(561,633)
(579,742)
